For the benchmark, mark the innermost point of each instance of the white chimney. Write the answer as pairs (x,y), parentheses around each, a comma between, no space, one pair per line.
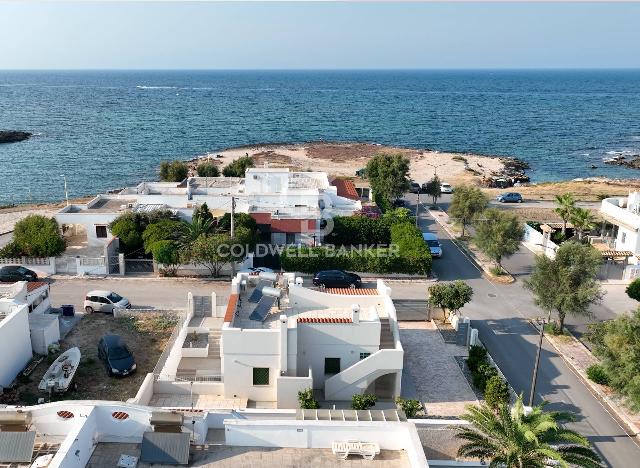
(355,313)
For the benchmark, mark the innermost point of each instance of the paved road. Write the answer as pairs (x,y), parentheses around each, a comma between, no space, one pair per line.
(143,293)
(499,312)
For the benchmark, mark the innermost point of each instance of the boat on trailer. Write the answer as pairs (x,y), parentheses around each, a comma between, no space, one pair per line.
(60,374)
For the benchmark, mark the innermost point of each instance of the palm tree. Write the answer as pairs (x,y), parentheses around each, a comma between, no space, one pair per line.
(508,437)
(566,207)
(583,220)
(199,226)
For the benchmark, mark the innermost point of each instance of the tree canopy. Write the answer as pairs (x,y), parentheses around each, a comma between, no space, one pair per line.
(37,236)
(238,167)
(510,437)
(633,290)
(203,213)
(568,283)
(173,171)
(433,189)
(617,345)
(163,230)
(388,175)
(466,204)
(452,296)
(212,252)
(583,220)
(208,169)
(167,253)
(565,209)
(498,234)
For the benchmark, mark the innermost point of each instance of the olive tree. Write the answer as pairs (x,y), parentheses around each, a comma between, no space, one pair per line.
(466,204)
(452,296)
(388,175)
(498,235)
(433,189)
(567,284)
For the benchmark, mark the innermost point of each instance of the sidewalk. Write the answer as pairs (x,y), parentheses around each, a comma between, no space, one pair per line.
(579,358)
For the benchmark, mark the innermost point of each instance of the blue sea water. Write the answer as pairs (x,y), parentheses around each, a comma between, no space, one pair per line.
(108,129)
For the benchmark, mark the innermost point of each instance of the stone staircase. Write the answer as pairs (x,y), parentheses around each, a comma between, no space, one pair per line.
(386,336)
(214,343)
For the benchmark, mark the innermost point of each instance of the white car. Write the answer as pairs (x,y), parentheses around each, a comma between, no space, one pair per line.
(433,243)
(446,188)
(104,301)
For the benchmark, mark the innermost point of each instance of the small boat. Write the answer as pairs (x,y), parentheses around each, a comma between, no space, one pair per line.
(59,376)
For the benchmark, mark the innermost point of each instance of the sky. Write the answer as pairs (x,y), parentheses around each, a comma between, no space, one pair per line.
(315,35)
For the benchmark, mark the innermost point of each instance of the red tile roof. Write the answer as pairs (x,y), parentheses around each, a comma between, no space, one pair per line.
(33,285)
(351,292)
(346,189)
(324,320)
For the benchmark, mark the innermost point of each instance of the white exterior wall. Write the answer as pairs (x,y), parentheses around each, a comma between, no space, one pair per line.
(317,341)
(244,350)
(627,240)
(625,211)
(15,342)
(89,220)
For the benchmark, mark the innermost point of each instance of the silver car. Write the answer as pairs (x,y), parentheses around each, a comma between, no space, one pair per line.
(104,301)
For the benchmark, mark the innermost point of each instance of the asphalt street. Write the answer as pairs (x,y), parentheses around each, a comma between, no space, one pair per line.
(500,313)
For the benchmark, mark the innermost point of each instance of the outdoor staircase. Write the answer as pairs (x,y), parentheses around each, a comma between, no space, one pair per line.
(386,335)
(214,343)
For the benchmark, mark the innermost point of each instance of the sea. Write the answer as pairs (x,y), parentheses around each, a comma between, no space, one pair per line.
(108,129)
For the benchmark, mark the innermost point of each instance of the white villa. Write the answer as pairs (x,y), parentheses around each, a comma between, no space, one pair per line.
(289,207)
(276,338)
(624,214)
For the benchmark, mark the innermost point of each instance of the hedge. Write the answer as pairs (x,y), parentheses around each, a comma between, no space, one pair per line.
(313,259)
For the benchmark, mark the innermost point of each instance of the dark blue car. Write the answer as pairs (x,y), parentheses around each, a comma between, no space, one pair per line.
(509,197)
(115,355)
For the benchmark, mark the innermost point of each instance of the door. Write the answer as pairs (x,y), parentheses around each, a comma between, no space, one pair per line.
(105,305)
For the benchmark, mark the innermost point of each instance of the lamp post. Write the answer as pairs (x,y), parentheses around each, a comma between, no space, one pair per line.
(66,191)
(435,168)
(534,379)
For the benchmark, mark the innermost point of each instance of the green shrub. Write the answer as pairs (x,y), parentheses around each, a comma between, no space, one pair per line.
(633,290)
(482,375)
(358,230)
(411,408)
(238,167)
(306,400)
(208,169)
(363,402)
(597,373)
(477,355)
(38,236)
(173,171)
(411,247)
(163,230)
(496,392)
(11,250)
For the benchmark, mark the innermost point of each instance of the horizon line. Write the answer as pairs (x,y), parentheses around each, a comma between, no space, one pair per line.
(321,69)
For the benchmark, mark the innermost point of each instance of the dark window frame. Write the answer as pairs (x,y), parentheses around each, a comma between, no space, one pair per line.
(331,366)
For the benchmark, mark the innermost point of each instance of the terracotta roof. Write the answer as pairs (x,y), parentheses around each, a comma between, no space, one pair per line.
(351,292)
(616,253)
(231,308)
(346,188)
(324,320)
(33,285)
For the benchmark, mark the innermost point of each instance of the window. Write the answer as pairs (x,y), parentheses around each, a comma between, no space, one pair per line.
(291,238)
(260,376)
(331,365)
(623,239)
(101,232)
(364,355)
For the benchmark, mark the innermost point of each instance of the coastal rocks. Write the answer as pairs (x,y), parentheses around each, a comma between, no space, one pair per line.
(512,173)
(13,136)
(622,161)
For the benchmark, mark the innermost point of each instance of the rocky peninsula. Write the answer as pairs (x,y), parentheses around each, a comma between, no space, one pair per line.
(13,136)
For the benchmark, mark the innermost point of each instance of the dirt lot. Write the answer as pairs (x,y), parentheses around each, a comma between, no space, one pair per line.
(146,337)
(584,190)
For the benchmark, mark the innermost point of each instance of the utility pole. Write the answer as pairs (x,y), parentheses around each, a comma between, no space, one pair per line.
(233,213)
(417,208)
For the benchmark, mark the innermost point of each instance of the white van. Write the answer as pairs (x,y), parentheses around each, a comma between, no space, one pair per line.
(104,301)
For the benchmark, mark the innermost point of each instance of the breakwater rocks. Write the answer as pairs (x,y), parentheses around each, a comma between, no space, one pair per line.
(13,136)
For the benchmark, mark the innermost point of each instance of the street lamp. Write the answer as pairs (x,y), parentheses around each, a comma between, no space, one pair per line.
(66,191)
(435,167)
(542,321)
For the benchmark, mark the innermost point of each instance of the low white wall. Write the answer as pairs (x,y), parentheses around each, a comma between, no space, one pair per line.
(91,266)
(45,265)
(145,392)
(309,298)
(16,343)
(321,434)
(288,388)
(78,446)
(186,388)
(534,241)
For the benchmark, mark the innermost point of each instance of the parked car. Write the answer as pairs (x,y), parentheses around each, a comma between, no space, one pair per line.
(13,273)
(337,279)
(115,355)
(415,187)
(433,243)
(398,203)
(446,188)
(104,301)
(509,197)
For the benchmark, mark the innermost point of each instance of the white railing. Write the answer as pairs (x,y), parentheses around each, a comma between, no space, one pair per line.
(611,207)
(26,261)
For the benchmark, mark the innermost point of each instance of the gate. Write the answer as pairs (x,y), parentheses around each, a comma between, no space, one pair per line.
(270,260)
(67,265)
(138,265)
(114,265)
